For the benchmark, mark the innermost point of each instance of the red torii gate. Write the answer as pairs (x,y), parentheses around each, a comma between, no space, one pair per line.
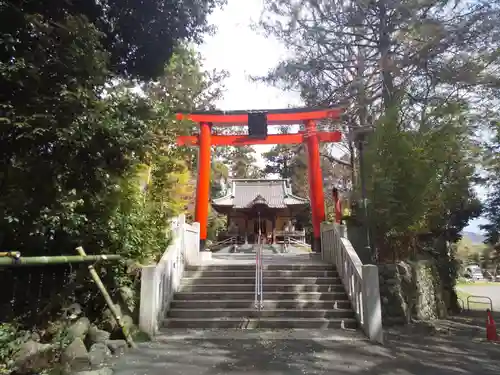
(204,140)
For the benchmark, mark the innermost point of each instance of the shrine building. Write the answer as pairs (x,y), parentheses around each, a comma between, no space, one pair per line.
(268,204)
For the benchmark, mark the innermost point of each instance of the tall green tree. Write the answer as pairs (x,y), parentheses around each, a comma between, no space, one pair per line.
(370,57)
(410,196)
(397,62)
(421,76)
(491,165)
(290,162)
(242,163)
(139,35)
(240,160)
(356,53)
(72,141)
(185,87)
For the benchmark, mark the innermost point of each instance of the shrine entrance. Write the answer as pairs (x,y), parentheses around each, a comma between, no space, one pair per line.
(258,122)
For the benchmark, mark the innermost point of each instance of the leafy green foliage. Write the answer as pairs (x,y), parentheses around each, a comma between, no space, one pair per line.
(140,36)
(72,145)
(242,163)
(216,223)
(85,159)
(220,179)
(420,75)
(411,196)
(10,340)
(491,165)
(56,131)
(184,86)
(492,205)
(160,186)
(420,168)
(289,162)
(468,252)
(357,53)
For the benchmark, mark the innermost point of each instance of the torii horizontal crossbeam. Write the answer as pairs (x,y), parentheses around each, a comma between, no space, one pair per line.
(274,116)
(257,122)
(245,140)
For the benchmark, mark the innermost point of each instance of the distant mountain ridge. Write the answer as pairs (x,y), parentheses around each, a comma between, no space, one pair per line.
(475,238)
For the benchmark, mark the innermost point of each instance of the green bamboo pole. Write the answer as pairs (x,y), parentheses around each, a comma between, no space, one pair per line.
(58,259)
(108,300)
(10,254)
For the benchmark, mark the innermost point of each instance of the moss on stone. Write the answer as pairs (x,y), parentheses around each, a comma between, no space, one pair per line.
(411,291)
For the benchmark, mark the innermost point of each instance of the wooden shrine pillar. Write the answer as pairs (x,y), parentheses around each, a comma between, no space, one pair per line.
(203,183)
(315,175)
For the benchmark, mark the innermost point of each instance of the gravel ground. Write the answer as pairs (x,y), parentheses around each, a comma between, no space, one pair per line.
(447,347)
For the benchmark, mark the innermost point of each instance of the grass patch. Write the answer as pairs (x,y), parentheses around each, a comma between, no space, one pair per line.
(140,336)
(476,283)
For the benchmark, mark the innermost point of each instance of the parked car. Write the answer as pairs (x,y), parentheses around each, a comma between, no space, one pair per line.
(474,272)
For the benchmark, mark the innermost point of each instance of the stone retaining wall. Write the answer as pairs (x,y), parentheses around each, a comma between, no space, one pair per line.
(410,291)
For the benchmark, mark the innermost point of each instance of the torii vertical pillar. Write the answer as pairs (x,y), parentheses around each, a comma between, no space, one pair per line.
(203,183)
(316,194)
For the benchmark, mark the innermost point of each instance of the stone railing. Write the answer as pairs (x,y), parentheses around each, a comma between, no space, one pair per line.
(361,282)
(297,236)
(159,282)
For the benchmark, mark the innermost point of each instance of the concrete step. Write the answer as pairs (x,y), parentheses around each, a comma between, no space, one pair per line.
(303,280)
(267,287)
(249,295)
(217,280)
(266,280)
(265,323)
(296,296)
(267,273)
(268,304)
(274,266)
(254,313)
(228,288)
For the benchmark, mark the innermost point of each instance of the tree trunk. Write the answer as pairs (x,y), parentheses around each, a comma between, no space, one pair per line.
(385,56)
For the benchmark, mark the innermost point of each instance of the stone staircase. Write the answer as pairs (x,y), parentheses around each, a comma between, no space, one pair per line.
(307,296)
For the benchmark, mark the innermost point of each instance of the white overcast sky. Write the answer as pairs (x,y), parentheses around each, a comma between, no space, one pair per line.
(243,52)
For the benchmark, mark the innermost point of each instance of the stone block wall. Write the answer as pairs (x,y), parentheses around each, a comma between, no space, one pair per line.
(411,291)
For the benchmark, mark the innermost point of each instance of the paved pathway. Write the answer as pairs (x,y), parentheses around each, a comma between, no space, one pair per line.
(299,352)
(491,290)
(267,249)
(271,255)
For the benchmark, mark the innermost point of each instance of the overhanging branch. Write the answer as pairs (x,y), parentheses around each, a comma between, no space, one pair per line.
(333,159)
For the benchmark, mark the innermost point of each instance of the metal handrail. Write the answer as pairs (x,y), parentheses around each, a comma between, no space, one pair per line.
(259,303)
(261,282)
(257,278)
(231,240)
(481,301)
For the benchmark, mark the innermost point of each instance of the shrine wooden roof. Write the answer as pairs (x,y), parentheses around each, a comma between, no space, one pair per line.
(246,193)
